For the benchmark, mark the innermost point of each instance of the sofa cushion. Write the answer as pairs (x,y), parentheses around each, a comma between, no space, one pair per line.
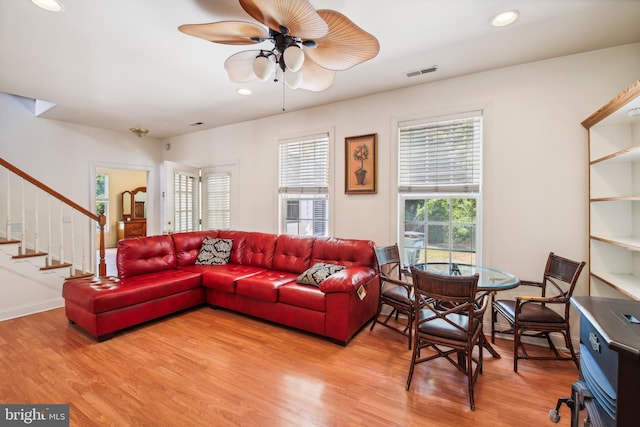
(188,244)
(293,253)
(223,277)
(259,249)
(239,242)
(317,273)
(145,255)
(214,251)
(102,294)
(304,296)
(347,252)
(264,285)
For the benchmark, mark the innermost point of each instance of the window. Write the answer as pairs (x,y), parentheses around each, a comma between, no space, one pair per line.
(304,186)
(216,201)
(439,175)
(102,198)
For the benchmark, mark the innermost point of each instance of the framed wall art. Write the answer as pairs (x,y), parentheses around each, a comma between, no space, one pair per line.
(360,154)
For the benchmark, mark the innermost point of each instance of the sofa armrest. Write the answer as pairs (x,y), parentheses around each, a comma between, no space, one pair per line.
(347,280)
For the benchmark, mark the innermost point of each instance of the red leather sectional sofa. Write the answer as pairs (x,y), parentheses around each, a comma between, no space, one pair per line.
(158,276)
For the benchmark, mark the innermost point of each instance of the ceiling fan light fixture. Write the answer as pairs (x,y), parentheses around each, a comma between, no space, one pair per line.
(262,67)
(293,79)
(139,131)
(293,58)
(50,5)
(505,18)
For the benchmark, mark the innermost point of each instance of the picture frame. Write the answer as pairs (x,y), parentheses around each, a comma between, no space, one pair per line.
(361,158)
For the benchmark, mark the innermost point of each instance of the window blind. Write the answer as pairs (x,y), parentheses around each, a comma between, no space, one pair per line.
(304,166)
(442,156)
(217,204)
(184,201)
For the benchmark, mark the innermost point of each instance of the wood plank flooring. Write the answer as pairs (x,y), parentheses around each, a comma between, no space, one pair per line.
(207,367)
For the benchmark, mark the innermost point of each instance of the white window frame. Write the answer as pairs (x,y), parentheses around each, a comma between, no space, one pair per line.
(306,181)
(104,200)
(425,184)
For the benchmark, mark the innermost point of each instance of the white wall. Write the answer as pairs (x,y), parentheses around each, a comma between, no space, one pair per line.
(535,154)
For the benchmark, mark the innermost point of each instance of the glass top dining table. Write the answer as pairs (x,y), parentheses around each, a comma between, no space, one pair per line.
(490,279)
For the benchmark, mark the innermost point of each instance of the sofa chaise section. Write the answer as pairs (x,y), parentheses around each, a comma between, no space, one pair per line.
(150,286)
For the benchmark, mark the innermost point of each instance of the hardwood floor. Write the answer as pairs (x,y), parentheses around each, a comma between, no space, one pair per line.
(209,367)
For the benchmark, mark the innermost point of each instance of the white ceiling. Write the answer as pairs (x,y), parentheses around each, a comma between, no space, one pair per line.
(118,64)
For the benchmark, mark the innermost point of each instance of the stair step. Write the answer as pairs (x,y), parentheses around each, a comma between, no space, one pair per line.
(79,275)
(4,241)
(29,254)
(56,264)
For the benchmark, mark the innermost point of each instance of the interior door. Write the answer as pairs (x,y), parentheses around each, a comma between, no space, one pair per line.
(181,198)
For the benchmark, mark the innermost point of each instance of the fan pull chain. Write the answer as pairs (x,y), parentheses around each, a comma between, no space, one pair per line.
(283,92)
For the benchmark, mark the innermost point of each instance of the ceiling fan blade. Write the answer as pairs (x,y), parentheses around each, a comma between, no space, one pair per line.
(239,66)
(346,45)
(227,32)
(315,78)
(298,16)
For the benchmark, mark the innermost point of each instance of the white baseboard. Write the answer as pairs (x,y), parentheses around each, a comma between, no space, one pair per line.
(27,309)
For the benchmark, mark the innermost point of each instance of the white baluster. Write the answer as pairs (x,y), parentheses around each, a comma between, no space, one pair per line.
(8,205)
(23,237)
(61,232)
(49,228)
(36,223)
(73,242)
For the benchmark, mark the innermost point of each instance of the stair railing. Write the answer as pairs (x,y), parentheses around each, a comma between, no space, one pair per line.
(68,211)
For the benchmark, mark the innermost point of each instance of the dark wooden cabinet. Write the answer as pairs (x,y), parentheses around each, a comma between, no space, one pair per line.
(610,356)
(133,228)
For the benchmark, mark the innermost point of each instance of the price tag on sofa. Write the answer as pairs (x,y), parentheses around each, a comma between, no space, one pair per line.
(362,292)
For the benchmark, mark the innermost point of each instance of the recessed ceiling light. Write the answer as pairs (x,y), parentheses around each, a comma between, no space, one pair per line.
(51,5)
(244,91)
(503,19)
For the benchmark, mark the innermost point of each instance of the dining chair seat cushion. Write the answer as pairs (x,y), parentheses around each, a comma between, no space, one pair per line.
(443,329)
(529,313)
(397,293)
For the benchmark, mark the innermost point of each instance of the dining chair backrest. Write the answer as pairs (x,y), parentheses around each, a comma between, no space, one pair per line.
(559,269)
(388,259)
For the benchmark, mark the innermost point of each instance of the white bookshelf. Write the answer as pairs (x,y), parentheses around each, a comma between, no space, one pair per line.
(614,196)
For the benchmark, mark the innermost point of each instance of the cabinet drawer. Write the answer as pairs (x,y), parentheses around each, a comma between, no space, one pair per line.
(133,227)
(606,358)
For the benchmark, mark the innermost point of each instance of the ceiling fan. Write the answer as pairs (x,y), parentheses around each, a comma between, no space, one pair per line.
(307,46)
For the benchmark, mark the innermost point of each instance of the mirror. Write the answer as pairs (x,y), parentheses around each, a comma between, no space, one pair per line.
(139,203)
(127,199)
(134,204)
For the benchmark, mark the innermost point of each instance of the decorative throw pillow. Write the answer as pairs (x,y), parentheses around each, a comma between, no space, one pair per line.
(317,273)
(214,251)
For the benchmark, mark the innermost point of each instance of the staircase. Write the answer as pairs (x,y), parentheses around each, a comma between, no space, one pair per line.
(46,239)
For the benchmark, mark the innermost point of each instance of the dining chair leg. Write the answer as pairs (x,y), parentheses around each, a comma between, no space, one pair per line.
(413,363)
(516,345)
(375,318)
(470,382)
(569,344)
(410,326)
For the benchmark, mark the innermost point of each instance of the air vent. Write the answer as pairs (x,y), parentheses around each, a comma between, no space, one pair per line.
(423,71)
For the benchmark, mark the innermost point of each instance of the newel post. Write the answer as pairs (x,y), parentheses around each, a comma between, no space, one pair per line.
(102,265)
